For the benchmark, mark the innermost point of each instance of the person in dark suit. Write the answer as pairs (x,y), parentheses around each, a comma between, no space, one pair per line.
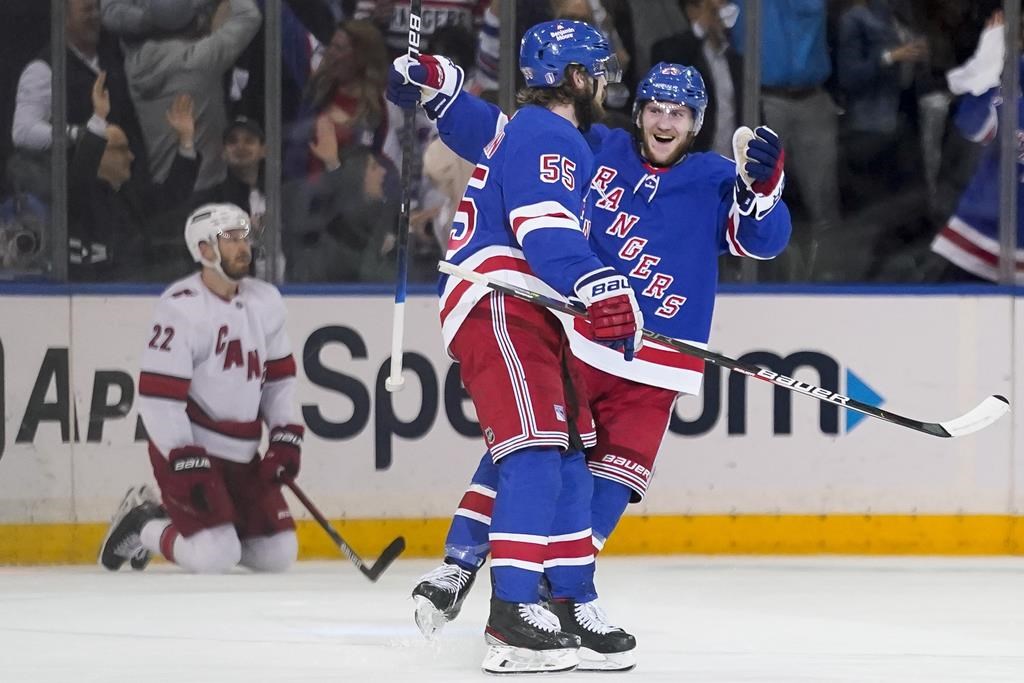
(705,46)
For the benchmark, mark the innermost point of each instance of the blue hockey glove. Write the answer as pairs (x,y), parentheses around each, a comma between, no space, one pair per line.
(433,81)
(759,170)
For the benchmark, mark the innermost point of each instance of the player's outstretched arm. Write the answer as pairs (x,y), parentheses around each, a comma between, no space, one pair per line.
(465,122)
(755,221)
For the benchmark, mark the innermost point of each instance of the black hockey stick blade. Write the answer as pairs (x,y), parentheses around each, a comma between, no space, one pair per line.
(387,556)
(981,416)
(373,573)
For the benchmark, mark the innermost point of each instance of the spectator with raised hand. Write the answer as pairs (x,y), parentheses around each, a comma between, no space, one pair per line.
(348,89)
(193,44)
(339,222)
(114,215)
(969,242)
(89,51)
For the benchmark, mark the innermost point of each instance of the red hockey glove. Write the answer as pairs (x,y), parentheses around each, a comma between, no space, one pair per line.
(615,317)
(281,463)
(195,484)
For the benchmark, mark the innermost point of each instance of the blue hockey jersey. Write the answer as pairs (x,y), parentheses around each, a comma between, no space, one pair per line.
(521,218)
(663,228)
(970,238)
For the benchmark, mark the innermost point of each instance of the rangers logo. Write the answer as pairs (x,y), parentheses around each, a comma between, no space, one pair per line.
(560,413)
(671,70)
(489,435)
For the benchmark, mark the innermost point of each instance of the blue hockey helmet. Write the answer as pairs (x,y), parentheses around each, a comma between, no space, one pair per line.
(550,46)
(673,83)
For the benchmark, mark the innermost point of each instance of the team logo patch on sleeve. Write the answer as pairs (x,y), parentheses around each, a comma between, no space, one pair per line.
(560,412)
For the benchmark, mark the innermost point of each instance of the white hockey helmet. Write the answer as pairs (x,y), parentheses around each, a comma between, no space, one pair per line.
(207,223)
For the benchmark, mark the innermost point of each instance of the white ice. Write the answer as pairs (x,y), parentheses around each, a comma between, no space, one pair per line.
(735,620)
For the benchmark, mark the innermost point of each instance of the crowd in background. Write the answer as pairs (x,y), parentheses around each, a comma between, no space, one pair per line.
(165,110)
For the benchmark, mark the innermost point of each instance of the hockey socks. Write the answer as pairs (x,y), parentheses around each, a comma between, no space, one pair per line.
(529,484)
(608,504)
(467,544)
(569,563)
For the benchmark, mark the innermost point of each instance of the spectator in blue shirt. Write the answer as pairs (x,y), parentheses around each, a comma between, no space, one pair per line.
(794,66)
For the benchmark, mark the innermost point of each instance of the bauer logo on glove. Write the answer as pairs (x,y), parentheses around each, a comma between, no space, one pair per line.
(759,170)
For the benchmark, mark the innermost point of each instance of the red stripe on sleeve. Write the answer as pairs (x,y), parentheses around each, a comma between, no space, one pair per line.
(280,368)
(163,386)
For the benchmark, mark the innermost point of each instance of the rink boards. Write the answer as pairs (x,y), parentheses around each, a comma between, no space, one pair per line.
(744,468)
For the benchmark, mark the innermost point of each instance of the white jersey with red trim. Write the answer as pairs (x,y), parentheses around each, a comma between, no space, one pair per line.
(212,369)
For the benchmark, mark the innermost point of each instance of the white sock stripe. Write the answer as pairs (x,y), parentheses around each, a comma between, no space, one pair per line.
(574,536)
(517,538)
(482,490)
(475,516)
(519,564)
(568,561)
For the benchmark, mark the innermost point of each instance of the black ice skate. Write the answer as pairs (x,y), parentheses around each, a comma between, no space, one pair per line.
(603,647)
(439,596)
(122,542)
(526,638)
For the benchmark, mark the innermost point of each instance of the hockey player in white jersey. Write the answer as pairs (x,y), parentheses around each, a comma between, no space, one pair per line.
(217,361)
(650,195)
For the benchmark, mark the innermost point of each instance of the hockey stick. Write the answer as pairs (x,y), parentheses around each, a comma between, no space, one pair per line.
(384,560)
(395,381)
(984,414)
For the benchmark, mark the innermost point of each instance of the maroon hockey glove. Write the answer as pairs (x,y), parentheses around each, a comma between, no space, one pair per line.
(281,463)
(195,484)
(615,317)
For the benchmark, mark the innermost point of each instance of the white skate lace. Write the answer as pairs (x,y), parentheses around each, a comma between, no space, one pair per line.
(448,577)
(590,616)
(537,616)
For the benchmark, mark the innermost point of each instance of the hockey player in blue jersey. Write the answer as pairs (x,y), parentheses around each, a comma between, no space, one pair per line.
(522,220)
(970,239)
(661,216)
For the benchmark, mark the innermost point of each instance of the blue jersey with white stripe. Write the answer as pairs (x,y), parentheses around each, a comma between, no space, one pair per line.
(663,228)
(521,218)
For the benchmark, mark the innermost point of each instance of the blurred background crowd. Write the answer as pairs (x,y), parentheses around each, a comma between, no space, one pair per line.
(164,106)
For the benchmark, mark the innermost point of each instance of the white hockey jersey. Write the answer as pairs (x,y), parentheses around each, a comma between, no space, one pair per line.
(213,369)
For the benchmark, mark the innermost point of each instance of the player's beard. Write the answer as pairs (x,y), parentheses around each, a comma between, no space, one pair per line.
(586,105)
(236,268)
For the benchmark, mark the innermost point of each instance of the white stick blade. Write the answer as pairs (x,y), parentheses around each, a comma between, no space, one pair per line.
(987,412)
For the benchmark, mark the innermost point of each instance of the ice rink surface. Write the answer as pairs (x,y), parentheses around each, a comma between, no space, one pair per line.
(735,620)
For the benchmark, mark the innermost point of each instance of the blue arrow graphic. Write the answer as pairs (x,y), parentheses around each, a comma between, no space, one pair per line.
(858,390)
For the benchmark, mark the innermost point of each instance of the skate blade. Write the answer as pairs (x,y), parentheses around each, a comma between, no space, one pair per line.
(591,660)
(429,619)
(505,659)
